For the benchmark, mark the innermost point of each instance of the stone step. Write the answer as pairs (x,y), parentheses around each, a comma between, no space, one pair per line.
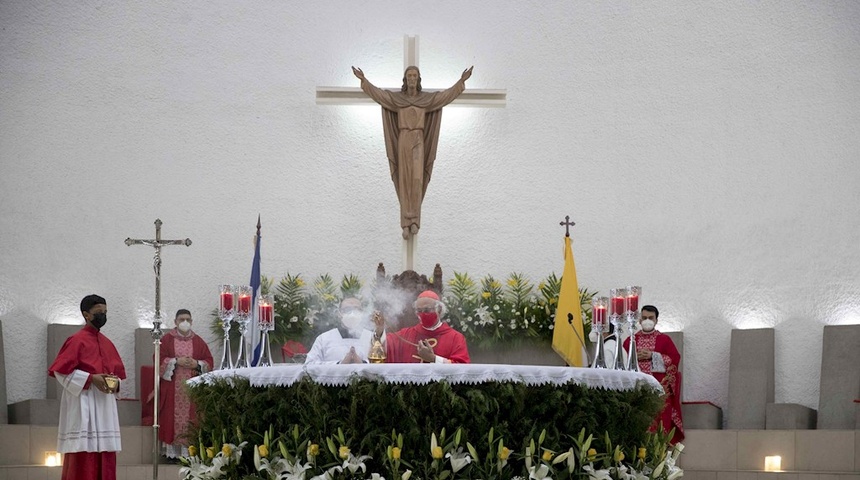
(123,472)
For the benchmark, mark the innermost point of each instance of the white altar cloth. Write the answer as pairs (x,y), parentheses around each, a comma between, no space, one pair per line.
(420,374)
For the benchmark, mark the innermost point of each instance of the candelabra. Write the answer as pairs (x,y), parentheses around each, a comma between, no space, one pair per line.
(632,314)
(598,323)
(266,322)
(243,317)
(616,311)
(226,313)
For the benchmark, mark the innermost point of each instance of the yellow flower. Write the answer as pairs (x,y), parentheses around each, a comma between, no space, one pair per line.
(619,455)
(264,451)
(553,301)
(485,294)
(547,456)
(505,453)
(343,452)
(512,283)
(495,284)
(313,449)
(395,453)
(436,452)
(592,453)
(226,450)
(300,282)
(541,285)
(642,452)
(210,452)
(192,451)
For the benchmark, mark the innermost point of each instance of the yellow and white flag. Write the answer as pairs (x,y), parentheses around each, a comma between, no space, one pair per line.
(567,336)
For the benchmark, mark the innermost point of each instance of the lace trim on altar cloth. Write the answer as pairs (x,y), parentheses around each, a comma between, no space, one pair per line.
(421,374)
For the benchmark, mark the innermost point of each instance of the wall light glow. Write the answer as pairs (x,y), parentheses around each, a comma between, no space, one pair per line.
(53,459)
(773,463)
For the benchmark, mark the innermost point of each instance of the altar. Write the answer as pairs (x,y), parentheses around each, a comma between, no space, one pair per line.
(370,401)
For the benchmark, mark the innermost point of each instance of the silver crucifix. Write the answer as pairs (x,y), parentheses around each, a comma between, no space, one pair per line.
(156,327)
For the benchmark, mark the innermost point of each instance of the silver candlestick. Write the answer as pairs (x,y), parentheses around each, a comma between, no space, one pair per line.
(226,312)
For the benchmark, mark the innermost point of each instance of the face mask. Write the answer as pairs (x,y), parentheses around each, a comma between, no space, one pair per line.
(99,320)
(592,336)
(351,320)
(184,326)
(647,325)
(428,319)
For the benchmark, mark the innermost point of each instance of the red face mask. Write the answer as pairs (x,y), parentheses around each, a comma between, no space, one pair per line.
(428,319)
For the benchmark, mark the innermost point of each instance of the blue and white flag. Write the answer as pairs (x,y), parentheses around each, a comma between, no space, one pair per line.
(254,330)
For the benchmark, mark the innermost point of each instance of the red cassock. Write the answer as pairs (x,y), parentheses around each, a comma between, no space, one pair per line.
(449,343)
(88,350)
(170,391)
(661,343)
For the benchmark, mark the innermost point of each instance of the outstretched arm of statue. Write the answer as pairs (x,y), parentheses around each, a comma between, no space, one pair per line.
(467,73)
(378,95)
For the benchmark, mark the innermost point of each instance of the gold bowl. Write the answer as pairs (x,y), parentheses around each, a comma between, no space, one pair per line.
(112,383)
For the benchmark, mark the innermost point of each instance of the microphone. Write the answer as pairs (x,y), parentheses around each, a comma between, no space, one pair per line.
(588,356)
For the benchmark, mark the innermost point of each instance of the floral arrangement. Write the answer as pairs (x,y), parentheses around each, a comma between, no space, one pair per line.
(486,310)
(294,456)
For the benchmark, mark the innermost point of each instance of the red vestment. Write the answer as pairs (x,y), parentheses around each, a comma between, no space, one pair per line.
(88,351)
(661,343)
(401,346)
(175,409)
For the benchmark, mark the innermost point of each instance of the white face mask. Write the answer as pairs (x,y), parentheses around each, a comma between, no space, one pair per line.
(351,320)
(184,326)
(592,336)
(647,325)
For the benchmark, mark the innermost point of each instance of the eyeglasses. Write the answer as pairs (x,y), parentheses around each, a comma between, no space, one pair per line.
(425,310)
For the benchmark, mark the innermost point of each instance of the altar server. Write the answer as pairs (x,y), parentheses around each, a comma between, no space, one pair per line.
(659,357)
(89,370)
(430,341)
(184,355)
(348,343)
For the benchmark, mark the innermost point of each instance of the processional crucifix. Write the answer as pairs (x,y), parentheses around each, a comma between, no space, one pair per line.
(157,243)
(411,118)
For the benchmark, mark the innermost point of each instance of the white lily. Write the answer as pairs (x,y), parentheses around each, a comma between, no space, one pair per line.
(459,459)
(602,474)
(406,475)
(353,463)
(195,469)
(376,476)
(539,473)
(624,473)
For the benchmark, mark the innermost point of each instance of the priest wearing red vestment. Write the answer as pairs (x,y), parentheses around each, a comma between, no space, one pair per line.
(183,355)
(89,370)
(659,357)
(430,341)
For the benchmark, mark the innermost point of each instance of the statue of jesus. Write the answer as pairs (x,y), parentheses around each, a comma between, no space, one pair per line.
(410,121)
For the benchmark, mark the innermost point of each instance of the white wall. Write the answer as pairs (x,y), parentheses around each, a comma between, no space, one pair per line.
(707,151)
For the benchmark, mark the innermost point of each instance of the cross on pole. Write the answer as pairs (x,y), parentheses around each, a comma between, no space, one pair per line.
(157,243)
(567,224)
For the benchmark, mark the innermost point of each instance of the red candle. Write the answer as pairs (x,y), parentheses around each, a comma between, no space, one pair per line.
(633,303)
(244,304)
(617,304)
(599,315)
(226,301)
(266,314)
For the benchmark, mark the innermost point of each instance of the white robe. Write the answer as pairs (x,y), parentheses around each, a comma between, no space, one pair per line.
(330,347)
(89,421)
